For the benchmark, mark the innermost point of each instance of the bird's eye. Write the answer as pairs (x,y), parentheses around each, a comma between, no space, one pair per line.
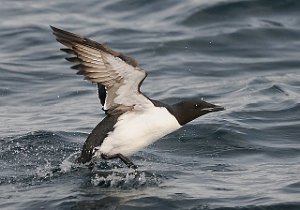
(197,106)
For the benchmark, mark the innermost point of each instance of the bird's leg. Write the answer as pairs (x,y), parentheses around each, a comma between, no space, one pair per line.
(121,157)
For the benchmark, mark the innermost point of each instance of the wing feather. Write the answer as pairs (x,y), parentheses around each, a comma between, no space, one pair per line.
(119,73)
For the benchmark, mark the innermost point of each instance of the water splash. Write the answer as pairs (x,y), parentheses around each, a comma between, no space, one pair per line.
(124,181)
(68,163)
(44,171)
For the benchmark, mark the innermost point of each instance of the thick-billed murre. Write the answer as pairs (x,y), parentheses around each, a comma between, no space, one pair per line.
(133,121)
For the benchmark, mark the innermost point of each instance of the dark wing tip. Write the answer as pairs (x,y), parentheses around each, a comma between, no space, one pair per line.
(68,39)
(78,67)
(67,50)
(53,28)
(73,59)
(58,30)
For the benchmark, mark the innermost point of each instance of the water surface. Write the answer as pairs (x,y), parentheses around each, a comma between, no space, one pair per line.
(243,55)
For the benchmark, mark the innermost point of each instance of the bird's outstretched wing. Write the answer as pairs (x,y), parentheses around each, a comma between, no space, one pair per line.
(118,76)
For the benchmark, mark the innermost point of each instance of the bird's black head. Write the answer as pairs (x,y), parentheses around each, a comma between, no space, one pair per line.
(186,111)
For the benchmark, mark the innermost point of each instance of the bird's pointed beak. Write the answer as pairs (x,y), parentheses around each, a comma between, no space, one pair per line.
(214,108)
(218,108)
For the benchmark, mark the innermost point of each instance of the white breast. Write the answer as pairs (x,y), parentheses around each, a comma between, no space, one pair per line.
(136,130)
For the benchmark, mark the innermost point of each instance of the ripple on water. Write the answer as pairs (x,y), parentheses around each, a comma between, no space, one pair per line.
(243,55)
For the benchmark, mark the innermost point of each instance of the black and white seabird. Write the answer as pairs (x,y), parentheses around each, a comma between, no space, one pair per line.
(133,121)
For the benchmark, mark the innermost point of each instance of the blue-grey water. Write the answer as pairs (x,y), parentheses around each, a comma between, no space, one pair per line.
(241,54)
